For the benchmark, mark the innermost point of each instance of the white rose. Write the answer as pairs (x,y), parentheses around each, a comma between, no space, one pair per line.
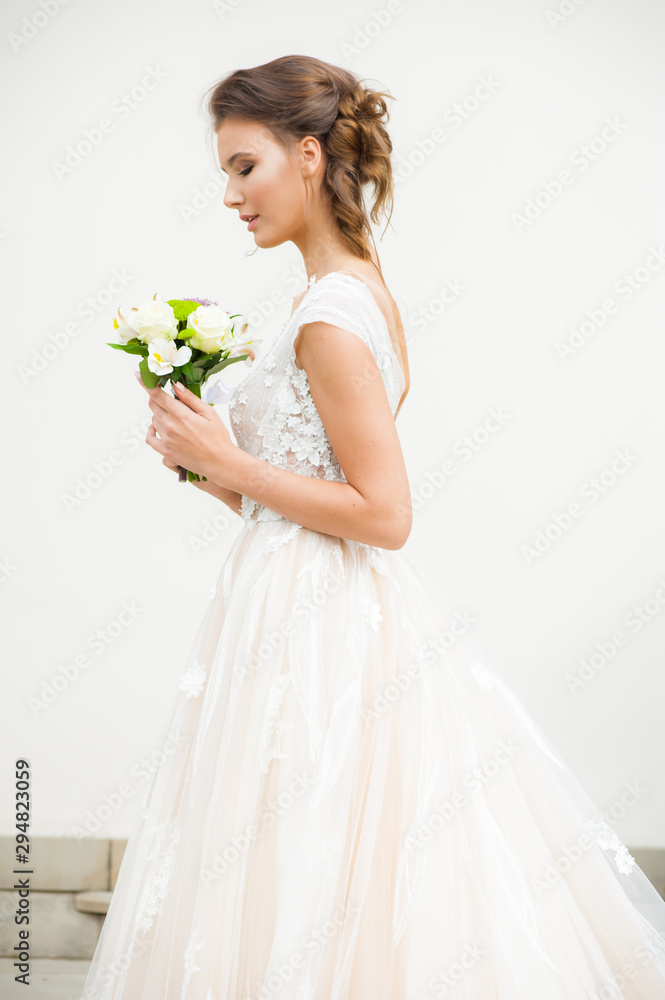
(212,329)
(147,321)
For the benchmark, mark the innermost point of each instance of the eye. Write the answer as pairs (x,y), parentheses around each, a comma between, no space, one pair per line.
(244,172)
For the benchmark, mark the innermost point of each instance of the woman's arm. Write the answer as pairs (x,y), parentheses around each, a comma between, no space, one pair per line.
(229,497)
(374,505)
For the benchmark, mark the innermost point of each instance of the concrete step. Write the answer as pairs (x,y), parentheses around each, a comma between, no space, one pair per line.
(93,902)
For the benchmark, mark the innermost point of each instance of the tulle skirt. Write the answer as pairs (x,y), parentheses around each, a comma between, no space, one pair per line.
(352,805)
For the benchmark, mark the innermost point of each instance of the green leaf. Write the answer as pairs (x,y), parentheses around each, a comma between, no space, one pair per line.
(223,364)
(149,378)
(187,371)
(131,348)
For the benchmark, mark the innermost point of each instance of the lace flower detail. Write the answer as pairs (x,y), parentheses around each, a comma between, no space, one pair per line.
(273,727)
(192,680)
(609,841)
(154,893)
(483,676)
(190,965)
(372,612)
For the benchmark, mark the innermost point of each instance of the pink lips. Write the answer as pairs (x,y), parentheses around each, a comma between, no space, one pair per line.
(252,223)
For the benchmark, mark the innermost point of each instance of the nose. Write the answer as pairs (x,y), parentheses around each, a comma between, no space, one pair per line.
(231,197)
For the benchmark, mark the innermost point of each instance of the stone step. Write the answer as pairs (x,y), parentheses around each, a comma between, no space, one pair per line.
(97,901)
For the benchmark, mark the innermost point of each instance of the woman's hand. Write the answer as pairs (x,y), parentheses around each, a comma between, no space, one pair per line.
(192,436)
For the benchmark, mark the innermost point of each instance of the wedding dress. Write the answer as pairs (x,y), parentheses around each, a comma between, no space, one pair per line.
(352,804)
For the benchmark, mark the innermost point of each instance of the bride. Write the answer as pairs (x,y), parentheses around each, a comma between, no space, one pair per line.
(358,808)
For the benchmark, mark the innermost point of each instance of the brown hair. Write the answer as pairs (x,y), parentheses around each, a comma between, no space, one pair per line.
(295,96)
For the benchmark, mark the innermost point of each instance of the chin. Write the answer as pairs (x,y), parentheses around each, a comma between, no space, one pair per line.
(267,242)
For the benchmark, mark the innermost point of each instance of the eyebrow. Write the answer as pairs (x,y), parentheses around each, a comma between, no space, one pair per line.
(235,157)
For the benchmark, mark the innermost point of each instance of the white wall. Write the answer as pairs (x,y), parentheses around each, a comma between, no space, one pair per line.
(67,572)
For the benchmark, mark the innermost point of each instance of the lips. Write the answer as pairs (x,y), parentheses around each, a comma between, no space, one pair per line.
(247,218)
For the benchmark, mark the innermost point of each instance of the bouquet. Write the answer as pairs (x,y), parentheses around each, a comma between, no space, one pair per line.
(182,340)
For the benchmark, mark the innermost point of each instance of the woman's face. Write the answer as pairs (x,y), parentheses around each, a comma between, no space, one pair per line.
(264,180)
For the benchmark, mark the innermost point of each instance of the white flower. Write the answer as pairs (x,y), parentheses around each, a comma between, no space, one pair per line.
(163,355)
(216,391)
(192,680)
(242,347)
(213,329)
(147,321)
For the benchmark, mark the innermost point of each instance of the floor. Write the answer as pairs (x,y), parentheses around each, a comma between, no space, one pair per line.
(49,979)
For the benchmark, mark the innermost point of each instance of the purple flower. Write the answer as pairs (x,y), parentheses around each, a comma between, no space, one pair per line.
(202,302)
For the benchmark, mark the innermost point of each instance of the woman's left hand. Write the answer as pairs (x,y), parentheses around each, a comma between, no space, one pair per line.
(193,436)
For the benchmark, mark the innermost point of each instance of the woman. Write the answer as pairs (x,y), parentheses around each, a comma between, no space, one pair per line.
(354,805)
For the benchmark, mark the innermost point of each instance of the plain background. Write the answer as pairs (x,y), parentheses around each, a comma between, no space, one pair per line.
(493,102)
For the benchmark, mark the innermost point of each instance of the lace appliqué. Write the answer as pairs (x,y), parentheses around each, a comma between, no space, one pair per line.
(483,676)
(273,727)
(606,838)
(163,854)
(291,431)
(371,611)
(190,965)
(192,680)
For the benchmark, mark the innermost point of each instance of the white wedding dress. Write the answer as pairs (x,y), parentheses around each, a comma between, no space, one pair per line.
(352,804)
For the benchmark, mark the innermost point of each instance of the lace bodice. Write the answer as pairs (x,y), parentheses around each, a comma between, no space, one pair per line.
(272,412)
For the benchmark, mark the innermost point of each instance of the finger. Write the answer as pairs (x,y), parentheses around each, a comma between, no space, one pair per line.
(192,400)
(152,439)
(159,397)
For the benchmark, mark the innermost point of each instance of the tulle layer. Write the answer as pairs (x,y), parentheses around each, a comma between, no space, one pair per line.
(352,805)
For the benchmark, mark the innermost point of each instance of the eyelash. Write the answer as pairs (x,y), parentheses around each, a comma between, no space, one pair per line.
(244,172)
